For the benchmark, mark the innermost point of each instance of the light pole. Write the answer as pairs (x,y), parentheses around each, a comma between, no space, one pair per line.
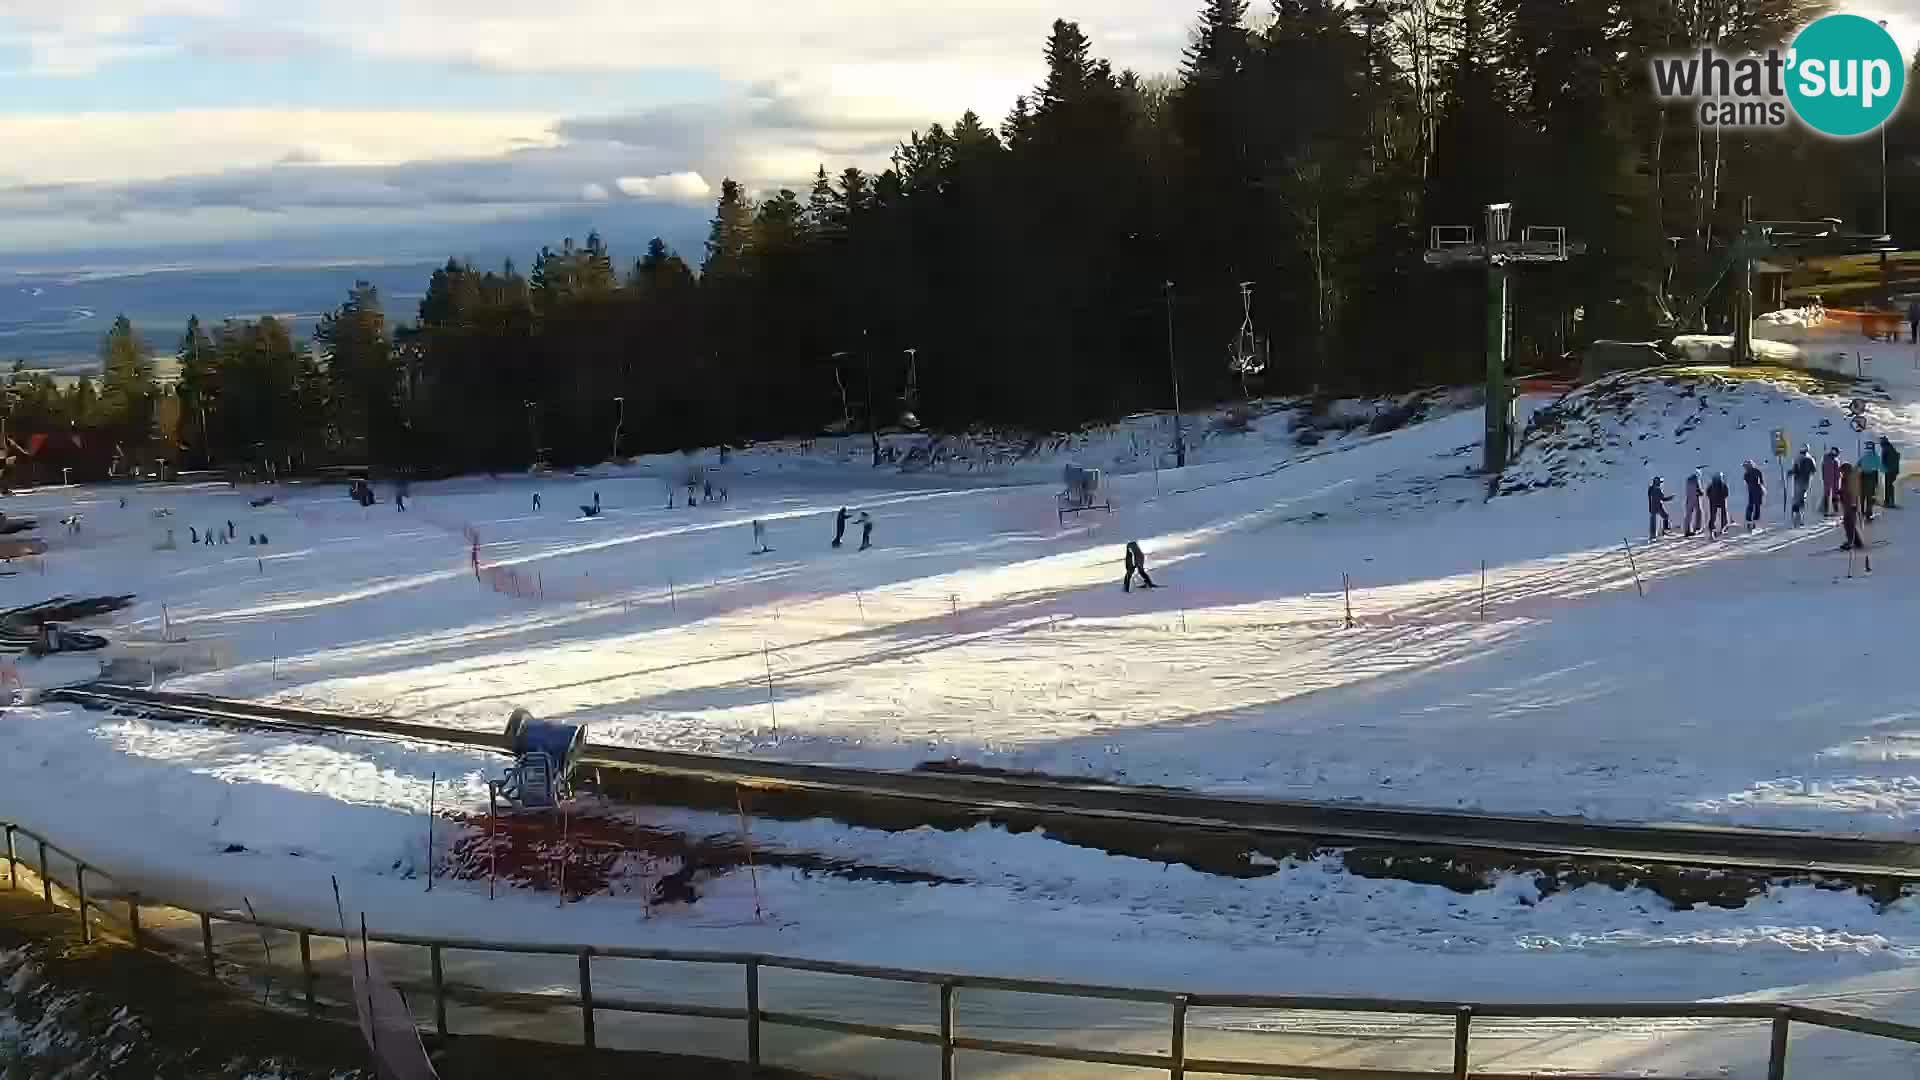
(1179,438)
(619,424)
(1883,170)
(873,416)
(913,385)
(533,433)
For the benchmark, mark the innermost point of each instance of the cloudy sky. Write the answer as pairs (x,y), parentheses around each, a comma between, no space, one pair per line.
(167,122)
(131,122)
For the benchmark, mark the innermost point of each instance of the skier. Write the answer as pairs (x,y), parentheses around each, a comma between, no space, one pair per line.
(1803,470)
(1657,500)
(1829,480)
(839,526)
(1849,501)
(1890,467)
(760,537)
(1756,493)
(709,491)
(400,500)
(1691,520)
(231,534)
(1913,325)
(1136,563)
(193,535)
(1717,494)
(1868,469)
(866,530)
(536,502)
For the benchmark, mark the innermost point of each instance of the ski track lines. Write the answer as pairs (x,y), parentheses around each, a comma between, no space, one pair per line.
(1748,685)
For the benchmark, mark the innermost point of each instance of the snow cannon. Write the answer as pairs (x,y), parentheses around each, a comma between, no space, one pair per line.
(1084,489)
(544,753)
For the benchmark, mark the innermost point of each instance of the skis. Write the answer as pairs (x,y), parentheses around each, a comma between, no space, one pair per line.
(1843,550)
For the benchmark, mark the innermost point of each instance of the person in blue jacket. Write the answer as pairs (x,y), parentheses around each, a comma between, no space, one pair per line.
(1869,469)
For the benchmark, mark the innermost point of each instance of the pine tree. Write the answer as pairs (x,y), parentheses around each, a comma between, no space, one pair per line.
(357,356)
(127,388)
(198,387)
(729,238)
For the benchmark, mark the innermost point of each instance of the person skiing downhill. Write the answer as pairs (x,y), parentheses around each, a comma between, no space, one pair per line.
(1756,493)
(1890,467)
(866,530)
(1657,500)
(1803,470)
(1691,520)
(839,526)
(1136,561)
(1717,494)
(1868,470)
(1829,481)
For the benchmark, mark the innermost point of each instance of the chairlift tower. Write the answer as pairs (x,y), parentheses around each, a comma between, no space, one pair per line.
(1455,247)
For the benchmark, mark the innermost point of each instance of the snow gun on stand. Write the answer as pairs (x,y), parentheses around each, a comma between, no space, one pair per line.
(1084,489)
(544,754)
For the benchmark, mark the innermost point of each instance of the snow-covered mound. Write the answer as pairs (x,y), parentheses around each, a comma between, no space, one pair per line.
(1258,430)
(1631,426)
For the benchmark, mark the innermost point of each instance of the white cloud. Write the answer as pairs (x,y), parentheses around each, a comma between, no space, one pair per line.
(672,187)
(70,148)
(816,82)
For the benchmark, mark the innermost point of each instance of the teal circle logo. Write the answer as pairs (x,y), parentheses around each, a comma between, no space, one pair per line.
(1845,75)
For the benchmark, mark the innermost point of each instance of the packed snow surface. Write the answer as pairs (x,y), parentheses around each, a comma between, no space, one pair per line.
(1340,616)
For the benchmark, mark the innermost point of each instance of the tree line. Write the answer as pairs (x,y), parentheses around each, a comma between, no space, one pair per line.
(1113,234)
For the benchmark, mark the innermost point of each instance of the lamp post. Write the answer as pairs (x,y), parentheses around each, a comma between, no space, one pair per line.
(1173,373)
(619,424)
(873,416)
(533,433)
(913,385)
(1883,168)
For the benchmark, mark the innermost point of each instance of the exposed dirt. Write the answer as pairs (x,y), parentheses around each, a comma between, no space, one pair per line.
(597,848)
(1229,852)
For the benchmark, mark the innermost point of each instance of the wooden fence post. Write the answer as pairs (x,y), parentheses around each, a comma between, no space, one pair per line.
(206,941)
(439,993)
(1178,1046)
(586,996)
(1462,1026)
(80,891)
(753,1015)
(946,1031)
(306,968)
(46,879)
(1777,1051)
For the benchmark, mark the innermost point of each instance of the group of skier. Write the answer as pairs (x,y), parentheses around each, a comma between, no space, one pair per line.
(865,521)
(1847,488)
